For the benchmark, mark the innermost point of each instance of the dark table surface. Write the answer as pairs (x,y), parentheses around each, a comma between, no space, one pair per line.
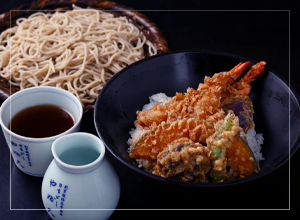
(259,31)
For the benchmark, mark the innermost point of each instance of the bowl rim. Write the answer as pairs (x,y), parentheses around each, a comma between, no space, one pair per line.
(285,158)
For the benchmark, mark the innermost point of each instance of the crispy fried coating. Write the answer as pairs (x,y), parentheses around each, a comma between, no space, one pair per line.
(184,159)
(158,138)
(240,159)
(195,104)
(219,143)
(200,103)
(230,151)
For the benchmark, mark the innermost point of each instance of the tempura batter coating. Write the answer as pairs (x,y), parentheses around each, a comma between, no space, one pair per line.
(185,159)
(200,103)
(158,138)
(230,151)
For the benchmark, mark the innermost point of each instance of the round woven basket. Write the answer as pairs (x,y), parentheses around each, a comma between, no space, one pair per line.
(144,24)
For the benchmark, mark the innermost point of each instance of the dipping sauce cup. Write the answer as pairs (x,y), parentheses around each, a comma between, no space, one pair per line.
(33,155)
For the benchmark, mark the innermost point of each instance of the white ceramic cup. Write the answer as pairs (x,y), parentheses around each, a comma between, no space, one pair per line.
(33,155)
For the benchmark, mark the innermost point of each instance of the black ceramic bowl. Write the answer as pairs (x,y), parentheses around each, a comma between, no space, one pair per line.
(129,90)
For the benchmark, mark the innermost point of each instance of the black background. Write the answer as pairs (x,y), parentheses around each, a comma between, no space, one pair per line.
(264,30)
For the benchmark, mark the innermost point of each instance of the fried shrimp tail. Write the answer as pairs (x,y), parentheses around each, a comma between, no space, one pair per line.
(222,80)
(243,86)
(239,69)
(236,97)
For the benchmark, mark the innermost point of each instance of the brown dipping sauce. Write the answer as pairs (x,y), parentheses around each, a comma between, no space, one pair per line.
(41,121)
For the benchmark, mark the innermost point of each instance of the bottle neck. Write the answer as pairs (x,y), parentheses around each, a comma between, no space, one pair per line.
(78,153)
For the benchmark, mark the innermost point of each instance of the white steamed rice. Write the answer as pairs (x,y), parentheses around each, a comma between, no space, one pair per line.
(254,142)
(158,98)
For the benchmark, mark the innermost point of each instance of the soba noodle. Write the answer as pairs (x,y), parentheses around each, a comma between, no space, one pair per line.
(77,50)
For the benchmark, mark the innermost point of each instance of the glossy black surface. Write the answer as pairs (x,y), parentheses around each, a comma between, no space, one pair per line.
(130,89)
(258,32)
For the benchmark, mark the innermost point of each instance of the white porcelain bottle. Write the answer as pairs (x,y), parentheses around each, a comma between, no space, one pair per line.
(80,183)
